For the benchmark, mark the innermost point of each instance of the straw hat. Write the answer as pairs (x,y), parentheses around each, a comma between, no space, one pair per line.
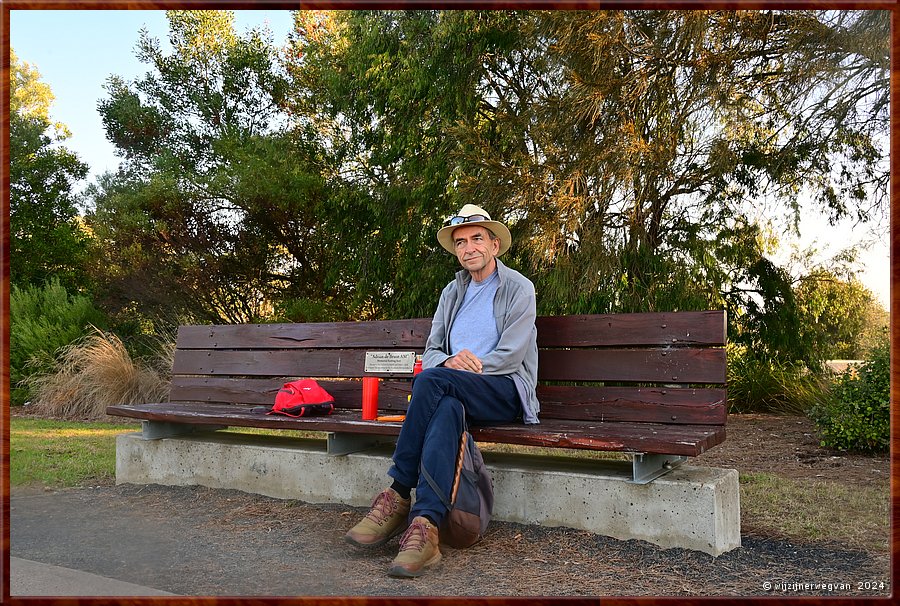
(471,215)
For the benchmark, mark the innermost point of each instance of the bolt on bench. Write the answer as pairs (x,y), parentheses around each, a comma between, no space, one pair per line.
(651,385)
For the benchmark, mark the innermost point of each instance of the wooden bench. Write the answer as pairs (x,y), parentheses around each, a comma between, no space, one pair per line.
(648,384)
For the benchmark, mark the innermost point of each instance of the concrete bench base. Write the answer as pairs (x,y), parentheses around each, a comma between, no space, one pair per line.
(691,507)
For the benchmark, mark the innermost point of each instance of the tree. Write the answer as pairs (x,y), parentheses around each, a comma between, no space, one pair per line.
(46,237)
(631,153)
(877,326)
(838,314)
(637,147)
(383,88)
(629,150)
(217,209)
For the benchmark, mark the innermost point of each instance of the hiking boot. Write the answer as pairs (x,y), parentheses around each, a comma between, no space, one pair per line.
(386,519)
(418,549)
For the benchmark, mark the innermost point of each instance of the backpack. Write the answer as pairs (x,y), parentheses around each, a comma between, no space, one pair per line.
(471,499)
(302,398)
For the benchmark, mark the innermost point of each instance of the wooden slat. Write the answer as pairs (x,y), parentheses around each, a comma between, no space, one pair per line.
(335,363)
(638,404)
(636,329)
(205,413)
(261,392)
(382,334)
(687,440)
(639,365)
(677,405)
(597,330)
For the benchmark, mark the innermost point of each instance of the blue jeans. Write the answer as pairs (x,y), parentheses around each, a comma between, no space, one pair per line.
(434,424)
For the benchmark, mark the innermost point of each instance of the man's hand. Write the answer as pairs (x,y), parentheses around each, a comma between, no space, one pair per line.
(464,360)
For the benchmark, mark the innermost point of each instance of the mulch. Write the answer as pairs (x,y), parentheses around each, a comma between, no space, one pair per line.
(200,541)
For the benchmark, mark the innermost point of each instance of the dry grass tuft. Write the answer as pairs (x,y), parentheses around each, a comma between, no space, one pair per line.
(97,372)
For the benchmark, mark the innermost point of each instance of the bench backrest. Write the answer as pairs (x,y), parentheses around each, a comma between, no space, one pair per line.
(645,367)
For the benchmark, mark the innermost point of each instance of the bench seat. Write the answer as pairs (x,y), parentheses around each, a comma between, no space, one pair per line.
(686,440)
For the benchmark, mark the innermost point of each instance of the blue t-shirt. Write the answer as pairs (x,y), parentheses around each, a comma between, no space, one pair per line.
(474,327)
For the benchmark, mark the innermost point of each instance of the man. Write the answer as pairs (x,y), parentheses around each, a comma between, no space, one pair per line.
(480,366)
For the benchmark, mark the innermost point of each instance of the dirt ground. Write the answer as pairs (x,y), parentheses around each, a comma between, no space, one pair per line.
(788,446)
(198,541)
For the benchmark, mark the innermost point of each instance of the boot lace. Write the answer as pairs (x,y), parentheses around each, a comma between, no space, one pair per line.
(415,537)
(383,508)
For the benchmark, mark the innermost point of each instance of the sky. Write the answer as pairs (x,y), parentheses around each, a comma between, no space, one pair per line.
(75,52)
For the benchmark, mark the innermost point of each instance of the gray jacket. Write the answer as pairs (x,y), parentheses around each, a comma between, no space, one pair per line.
(514,311)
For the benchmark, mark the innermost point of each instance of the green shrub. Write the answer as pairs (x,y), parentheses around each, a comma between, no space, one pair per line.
(856,415)
(757,384)
(42,321)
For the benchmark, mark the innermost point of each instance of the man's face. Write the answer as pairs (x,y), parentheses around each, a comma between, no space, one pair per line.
(476,250)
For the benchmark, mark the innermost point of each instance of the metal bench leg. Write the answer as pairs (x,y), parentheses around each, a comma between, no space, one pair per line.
(155,430)
(338,443)
(648,467)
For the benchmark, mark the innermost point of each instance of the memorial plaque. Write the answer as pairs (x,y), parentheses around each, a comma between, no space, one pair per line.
(390,361)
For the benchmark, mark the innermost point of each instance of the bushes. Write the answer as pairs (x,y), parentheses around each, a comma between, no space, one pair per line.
(764,385)
(42,320)
(852,413)
(96,372)
(65,370)
(856,415)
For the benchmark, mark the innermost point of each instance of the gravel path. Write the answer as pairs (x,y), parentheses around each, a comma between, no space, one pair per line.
(199,541)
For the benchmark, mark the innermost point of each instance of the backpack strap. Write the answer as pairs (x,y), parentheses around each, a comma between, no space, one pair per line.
(448,501)
(434,487)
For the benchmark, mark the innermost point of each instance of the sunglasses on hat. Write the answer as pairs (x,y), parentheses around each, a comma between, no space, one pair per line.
(471,218)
